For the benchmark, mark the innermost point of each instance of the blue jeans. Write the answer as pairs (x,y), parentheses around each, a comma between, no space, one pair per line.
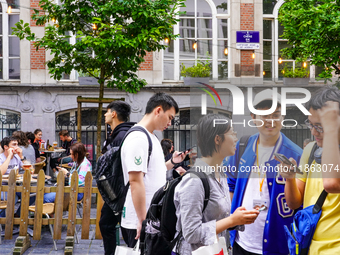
(50,197)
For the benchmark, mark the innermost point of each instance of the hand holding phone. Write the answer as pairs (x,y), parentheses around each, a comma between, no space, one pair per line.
(283,159)
(187,150)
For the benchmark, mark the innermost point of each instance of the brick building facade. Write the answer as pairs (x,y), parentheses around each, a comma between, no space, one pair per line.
(41,102)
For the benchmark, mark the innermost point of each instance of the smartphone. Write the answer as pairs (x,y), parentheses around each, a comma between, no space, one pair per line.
(286,161)
(189,149)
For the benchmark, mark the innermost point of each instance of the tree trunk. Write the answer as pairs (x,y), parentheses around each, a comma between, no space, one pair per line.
(99,117)
(99,120)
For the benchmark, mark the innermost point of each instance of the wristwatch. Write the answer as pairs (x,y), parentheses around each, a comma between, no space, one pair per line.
(24,158)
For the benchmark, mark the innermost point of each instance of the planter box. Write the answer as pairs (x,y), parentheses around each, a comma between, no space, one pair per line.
(295,81)
(195,80)
(88,81)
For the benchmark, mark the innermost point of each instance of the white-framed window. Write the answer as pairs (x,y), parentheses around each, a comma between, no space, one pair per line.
(206,24)
(273,43)
(9,122)
(10,44)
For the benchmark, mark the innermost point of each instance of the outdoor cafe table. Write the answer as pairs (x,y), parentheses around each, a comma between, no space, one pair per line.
(20,179)
(48,158)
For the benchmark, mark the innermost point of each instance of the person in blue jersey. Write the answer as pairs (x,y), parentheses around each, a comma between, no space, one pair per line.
(258,184)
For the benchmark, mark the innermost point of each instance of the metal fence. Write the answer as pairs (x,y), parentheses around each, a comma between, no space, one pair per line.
(89,129)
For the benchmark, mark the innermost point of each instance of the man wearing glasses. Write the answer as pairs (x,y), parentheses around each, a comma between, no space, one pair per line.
(323,173)
(259,185)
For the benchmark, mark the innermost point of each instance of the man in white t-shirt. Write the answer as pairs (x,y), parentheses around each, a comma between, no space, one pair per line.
(11,158)
(145,178)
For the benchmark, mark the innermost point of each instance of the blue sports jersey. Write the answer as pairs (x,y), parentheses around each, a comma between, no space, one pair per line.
(279,214)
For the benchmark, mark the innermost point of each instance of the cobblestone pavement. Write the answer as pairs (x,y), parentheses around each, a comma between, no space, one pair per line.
(45,244)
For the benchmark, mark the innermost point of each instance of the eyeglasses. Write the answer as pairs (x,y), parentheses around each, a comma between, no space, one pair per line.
(311,126)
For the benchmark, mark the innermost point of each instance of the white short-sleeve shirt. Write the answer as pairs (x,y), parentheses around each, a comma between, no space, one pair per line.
(134,154)
(15,162)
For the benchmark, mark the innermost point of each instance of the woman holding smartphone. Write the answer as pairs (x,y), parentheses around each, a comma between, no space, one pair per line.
(198,227)
(81,164)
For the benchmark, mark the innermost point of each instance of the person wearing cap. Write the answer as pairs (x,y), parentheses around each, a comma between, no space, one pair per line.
(258,183)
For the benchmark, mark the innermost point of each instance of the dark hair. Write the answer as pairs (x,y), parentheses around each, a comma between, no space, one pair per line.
(6,141)
(122,109)
(21,138)
(266,104)
(64,133)
(163,100)
(166,146)
(321,96)
(79,152)
(206,133)
(37,131)
(30,136)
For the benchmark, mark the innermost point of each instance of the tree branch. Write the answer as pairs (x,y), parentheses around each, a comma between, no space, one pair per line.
(337,70)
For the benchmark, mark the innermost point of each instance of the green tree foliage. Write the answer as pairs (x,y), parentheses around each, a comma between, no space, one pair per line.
(200,69)
(313,28)
(113,36)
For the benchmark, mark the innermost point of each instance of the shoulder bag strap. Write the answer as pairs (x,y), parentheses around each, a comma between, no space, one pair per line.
(206,186)
(137,128)
(242,147)
(319,203)
(311,155)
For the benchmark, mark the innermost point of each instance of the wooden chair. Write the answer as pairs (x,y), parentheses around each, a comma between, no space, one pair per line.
(40,165)
(48,209)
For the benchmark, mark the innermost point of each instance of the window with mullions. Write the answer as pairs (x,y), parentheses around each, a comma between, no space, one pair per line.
(273,43)
(203,31)
(10,44)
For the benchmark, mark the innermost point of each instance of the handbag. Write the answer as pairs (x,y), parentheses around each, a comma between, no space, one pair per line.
(301,231)
(217,248)
(122,250)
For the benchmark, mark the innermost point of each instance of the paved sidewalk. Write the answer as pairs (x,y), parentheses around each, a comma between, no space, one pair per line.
(45,244)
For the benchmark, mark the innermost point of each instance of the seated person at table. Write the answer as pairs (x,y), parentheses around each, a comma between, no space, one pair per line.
(30,137)
(38,137)
(81,165)
(67,142)
(11,158)
(27,149)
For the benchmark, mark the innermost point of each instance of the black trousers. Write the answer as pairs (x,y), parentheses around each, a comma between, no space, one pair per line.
(238,250)
(129,236)
(107,225)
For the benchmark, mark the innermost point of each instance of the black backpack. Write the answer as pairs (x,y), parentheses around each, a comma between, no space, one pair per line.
(109,174)
(161,216)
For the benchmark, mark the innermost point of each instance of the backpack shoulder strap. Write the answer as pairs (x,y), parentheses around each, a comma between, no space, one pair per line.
(311,155)
(141,129)
(137,128)
(319,203)
(206,186)
(242,147)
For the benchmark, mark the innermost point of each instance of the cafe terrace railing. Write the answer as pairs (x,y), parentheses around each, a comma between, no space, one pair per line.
(23,241)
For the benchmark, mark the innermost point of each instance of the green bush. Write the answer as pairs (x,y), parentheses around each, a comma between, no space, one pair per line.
(289,72)
(95,72)
(201,69)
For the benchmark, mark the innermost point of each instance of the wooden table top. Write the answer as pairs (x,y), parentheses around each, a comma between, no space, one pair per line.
(19,178)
